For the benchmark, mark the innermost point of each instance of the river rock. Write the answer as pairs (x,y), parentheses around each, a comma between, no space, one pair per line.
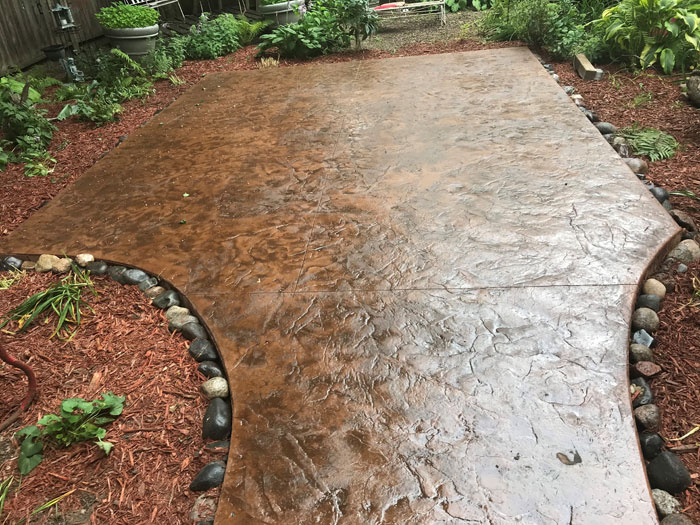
(45,263)
(649,300)
(176,311)
(648,417)
(83,259)
(652,444)
(193,330)
(203,350)
(667,472)
(684,220)
(116,273)
(217,420)
(212,475)
(646,396)
(62,265)
(134,276)
(97,267)
(645,319)
(28,265)
(666,279)
(167,299)
(204,508)
(641,337)
(179,321)
(153,292)
(148,283)
(645,369)
(686,252)
(665,503)
(11,263)
(605,127)
(637,165)
(215,387)
(640,353)
(210,369)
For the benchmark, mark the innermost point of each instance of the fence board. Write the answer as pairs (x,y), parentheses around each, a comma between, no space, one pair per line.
(26,26)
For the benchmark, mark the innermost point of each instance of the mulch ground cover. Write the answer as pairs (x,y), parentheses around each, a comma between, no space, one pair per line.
(625,98)
(124,347)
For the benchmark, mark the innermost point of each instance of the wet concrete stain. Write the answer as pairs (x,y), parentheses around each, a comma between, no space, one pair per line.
(420,273)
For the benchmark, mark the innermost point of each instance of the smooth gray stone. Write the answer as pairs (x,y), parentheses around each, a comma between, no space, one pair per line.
(117,273)
(134,276)
(217,420)
(667,472)
(193,331)
(203,350)
(646,397)
(650,301)
(641,337)
(167,299)
(148,283)
(605,128)
(97,267)
(210,369)
(652,444)
(11,263)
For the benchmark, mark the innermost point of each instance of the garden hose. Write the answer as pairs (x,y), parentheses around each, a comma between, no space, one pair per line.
(31,387)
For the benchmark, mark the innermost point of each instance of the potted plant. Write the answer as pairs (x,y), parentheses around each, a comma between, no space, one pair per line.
(131,28)
(286,12)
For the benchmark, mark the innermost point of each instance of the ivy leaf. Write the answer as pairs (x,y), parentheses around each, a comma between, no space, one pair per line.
(29,447)
(27,464)
(106,446)
(31,430)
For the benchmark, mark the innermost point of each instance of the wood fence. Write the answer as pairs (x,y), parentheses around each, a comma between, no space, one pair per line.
(27,26)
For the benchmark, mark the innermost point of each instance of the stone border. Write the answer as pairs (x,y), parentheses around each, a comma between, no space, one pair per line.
(666,473)
(217,423)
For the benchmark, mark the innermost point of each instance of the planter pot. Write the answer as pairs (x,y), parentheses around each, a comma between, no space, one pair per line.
(55,52)
(282,13)
(135,41)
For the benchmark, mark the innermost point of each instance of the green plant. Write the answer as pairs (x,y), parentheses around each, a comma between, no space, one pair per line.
(650,142)
(124,16)
(357,19)
(212,38)
(12,278)
(4,489)
(456,5)
(249,31)
(481,5)
(78,420)
(685,193)
(167,56)
(64,299)
(651,31)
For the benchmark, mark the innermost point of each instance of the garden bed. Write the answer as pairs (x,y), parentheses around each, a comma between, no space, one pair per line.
(123,347)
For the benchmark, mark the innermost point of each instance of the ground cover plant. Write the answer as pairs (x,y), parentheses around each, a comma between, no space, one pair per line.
(124,16)
(649,142)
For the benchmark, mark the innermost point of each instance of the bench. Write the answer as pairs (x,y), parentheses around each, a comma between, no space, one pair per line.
(156,4)
(412,9)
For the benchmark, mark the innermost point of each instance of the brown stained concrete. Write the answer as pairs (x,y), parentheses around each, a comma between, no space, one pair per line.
(419,272)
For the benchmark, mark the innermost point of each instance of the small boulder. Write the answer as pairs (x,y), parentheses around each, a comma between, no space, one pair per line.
(204,508)
(176,311)
(134,276)
(666,279)
(686,252)
(660,193)
(45,263)
(677,519)
(667,472)
(605,127)
(652,444)
(210,369)
(637,165)
(217,420)
(645,396)
(648,418)
(83,259)
(28,265)
(640,353)
(665,503)
(649,300)
(62,265)
(645,369)
(177,323)
(167,299)
(193,330)
(116,273)
(97,267)
(645,319)
(215,387)
(641,337)
(684,220)
(148,283)
(203,350)
(652,286)
(153,292)
(212,475)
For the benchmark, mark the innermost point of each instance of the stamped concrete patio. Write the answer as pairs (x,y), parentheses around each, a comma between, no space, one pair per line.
(419,272)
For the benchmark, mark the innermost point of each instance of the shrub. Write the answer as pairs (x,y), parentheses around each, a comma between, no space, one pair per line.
(557,26)
(247,31)
(212,38)
(167,56)
(663,31)
(356,19)
(123,16)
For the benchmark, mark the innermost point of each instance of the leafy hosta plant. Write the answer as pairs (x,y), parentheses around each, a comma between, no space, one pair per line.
(655,31)
(78,420)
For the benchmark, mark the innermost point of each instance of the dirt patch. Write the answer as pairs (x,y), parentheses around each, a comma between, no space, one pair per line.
(123,347)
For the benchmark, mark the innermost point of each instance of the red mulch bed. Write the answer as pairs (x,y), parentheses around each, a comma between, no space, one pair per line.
(123,347)
(677,387)
(78,145)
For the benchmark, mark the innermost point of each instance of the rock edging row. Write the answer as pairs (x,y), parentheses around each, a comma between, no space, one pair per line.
(666,473)
(216,426)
